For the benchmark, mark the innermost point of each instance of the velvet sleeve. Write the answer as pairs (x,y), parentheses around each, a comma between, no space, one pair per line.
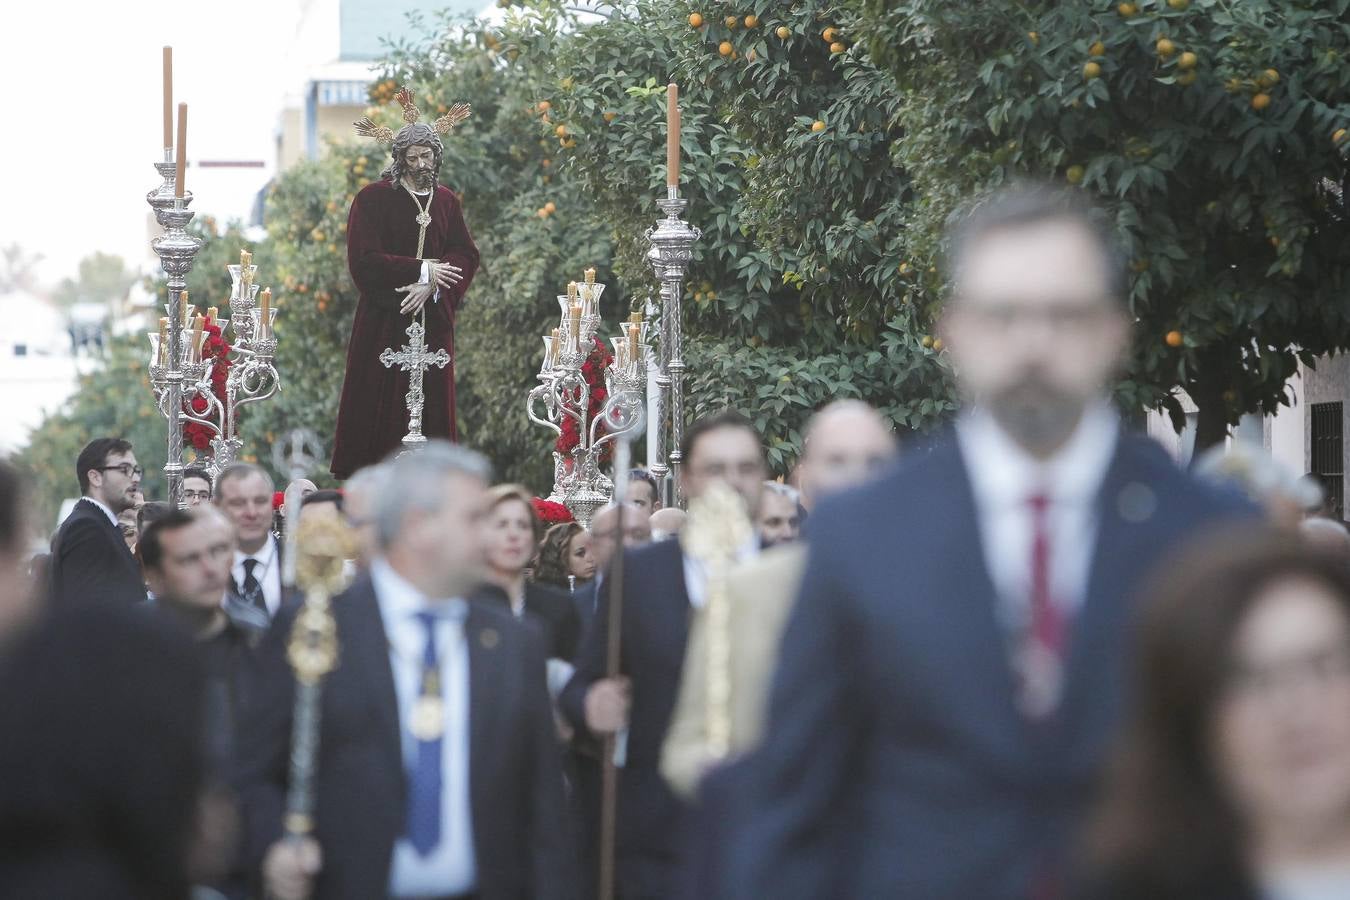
(377,273)
(461,252)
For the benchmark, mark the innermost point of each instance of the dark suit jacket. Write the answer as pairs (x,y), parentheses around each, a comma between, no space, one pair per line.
(895,763)
(290,597)
(655,626)
(520,839)
(90,560)
(551,608)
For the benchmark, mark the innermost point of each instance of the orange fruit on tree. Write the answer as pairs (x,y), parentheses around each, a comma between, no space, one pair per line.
(725,48)
(927,341)
(1097,49)
(561,131)
(1338,135)
(1074,174)
(783,32)
(695,20)
(1260,101)
(937,344)
(1165,47)
(1187,61)
(838,47)
(543,106)
(610,116)
(817,126)
(1174,339)
(1034,37)
(731,21)
(1270,77)
(1127,10)
(1179,5)
(1092,70)
(550,207)
(830,34)
(752,21)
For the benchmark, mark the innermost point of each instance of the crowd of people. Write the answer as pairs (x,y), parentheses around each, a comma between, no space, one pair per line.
(1027,658)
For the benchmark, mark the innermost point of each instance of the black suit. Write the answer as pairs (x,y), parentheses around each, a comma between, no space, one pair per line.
(519,832)
(655,628)
(895,762)
(551,608)
(90,560)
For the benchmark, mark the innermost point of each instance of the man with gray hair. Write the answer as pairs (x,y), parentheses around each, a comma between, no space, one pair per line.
(432,691)
(412,259)
(244,495)
(360,494)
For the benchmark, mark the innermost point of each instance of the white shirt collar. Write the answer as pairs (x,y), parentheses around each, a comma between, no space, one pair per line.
(1003,473)
(106,511)
(263,556)
(400,600)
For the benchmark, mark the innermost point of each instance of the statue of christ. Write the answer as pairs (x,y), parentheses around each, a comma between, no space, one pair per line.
(409,251)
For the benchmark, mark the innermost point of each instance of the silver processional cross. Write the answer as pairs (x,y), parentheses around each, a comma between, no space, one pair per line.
(414,359)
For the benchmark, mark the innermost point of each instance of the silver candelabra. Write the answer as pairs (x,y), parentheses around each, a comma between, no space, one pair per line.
(578,479)
(252,373)
(176,250)
(672,241)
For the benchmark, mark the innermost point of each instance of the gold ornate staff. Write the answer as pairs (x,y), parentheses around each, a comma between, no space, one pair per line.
(324,545)
(718,528)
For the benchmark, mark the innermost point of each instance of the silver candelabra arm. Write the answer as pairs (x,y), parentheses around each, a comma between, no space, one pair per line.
(544,392)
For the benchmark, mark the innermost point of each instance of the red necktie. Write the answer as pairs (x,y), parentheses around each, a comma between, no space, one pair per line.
(1041,654)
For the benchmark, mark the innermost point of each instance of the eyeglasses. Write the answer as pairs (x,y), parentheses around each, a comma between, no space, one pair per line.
(126,469)
(197,495)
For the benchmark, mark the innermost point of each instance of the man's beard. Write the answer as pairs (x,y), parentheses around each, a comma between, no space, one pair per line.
(422,181)
(1038,416)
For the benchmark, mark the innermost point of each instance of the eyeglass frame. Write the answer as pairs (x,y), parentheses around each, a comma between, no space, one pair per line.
(136,471)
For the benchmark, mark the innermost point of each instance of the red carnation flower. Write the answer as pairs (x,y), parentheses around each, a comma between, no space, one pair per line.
(278,498)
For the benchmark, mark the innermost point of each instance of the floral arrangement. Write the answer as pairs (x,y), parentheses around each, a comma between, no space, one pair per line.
(551,513)
(593,371)
(217,350)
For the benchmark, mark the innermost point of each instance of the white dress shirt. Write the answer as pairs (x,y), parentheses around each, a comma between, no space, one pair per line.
(696,573)
(267,571)
(1004,477)
(450,868)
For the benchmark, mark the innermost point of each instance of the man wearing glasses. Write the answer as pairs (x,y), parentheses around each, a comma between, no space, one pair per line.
(90,560)
(196,486)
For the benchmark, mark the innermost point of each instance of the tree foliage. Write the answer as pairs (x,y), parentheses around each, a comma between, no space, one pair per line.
(1213,131)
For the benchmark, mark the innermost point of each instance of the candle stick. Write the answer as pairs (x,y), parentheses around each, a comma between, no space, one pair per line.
(572,291)
(634,335)
(672,135)
(245,259)
(181,158)
(576,326)
(168,97)
(163,347)
(195,347)
(187,307)
(211,313)
(590,275)
(265,320)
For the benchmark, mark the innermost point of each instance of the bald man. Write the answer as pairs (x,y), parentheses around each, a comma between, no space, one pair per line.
(847,443)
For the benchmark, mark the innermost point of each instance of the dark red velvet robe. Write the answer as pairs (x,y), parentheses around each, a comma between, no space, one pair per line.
(381,243)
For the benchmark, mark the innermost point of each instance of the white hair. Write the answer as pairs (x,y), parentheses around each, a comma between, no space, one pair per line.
(405,484)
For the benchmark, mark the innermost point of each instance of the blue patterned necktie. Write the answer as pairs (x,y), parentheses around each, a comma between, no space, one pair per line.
(425,777)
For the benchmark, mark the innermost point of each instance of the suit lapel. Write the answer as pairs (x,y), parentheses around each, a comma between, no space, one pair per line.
(971,613)
(482,642)
(367,645)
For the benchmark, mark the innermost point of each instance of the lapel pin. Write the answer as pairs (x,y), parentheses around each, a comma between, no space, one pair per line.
(1136,502)
(488,638)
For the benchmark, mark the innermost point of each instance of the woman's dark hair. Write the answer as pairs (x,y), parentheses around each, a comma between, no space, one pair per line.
(1166,829)
(551,566)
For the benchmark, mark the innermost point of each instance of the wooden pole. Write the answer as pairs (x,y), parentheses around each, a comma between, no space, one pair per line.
(609,783)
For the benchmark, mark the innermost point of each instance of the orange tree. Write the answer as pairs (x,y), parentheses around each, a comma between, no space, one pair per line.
(1215,134)
(802,289)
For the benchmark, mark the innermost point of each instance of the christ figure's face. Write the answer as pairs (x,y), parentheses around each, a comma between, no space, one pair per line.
(420,164)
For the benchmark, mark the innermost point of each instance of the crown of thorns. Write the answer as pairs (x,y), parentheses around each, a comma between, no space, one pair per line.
(411,114)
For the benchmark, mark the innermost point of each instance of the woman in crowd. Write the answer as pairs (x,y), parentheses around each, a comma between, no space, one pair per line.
(512,533)
(1233,781)
(565,558)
